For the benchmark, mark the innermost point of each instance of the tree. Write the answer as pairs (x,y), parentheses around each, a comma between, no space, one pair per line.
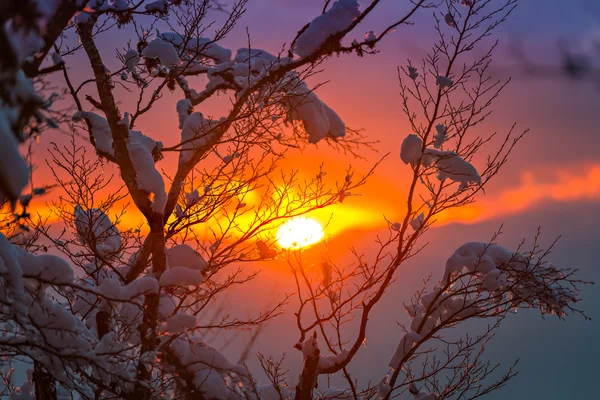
(127,325)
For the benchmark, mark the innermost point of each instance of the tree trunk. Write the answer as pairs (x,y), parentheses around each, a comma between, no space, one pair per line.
(150,317)
(102,323)
(45,385)
(308,378)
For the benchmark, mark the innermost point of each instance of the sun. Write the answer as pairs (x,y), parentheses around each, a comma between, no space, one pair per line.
(299,232)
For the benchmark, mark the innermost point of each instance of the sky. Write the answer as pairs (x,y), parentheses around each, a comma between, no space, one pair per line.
(552,179)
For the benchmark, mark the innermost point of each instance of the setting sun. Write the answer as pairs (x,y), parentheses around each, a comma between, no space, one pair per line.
(299,232)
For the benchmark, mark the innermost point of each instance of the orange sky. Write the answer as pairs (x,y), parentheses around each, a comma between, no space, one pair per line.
(385,192)
(555,162)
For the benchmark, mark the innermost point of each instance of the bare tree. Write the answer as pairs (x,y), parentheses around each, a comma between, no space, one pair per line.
(135,319)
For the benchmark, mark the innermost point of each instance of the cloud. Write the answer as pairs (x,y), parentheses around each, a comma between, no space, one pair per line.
(378,199)
(552,184)
(567,184)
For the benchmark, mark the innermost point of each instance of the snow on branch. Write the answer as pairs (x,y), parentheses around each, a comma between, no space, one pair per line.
(94,228)
(199,47)
(318,119)
(147,176)
(449,164)
(143,152)
(165,52)
(197,132)
(483,280)
(103,139)
(206,369)
(338,18)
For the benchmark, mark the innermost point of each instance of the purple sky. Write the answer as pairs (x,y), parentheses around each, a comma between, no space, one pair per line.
(558,358)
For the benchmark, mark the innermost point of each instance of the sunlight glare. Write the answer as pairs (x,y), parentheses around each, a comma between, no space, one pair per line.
(299,232)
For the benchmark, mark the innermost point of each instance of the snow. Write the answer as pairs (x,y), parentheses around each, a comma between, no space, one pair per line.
(206,364)
(328,362)
(180,322)
(414,309)
(46,267)
(12,290)
(412,72)
(230,157)
(498,268)
(164,51)
(184,256)
(184,108)
(197,132)
(427,298)
(209,49)
(406,344)
(450,21)
(140,286)
(149,143)
(427,326)
(485,255)
(192,198)
(310,347)
(455,303)
(179,213)
(449,18)
(337,128)
(255,56)
(94,227)
(384,388)
(417,222)
(157,6)
(370,37)
(181,276)
(117,5)
(202,47)
(14,171)
(440,135)
(484,264)
(338,18)
(248,66)
(24,43)
(166,306)
(443,82)
(494,280)
(100,130)
(318,119)
(411,149)
(452,166)
(147,176)
(310,111)
(55,327)
(132,57)
(111,288)
(20,93)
